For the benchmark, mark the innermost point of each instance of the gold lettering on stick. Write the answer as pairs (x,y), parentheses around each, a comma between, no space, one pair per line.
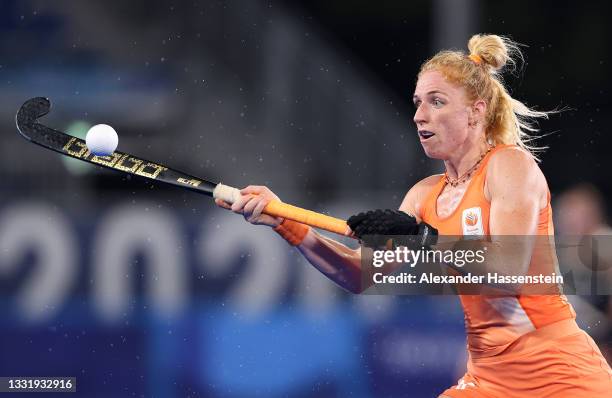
(106,160)
(75,147)
(150,170)
(193,182)
(128,163)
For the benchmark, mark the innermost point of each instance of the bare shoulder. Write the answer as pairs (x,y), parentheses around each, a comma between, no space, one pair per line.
(515,169)
(512,154)
(418,193)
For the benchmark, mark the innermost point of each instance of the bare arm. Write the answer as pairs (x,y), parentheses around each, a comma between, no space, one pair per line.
(342,264)
(518,191)
(338,262)
(416,196)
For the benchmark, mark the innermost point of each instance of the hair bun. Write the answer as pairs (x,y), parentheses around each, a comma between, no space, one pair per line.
(494,51)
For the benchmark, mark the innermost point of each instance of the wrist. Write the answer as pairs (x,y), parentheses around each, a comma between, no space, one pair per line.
(293,232)
(277,221)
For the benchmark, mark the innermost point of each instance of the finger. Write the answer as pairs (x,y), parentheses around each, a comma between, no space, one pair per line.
(223,204)
(252,189)
(261,204)
(250,205)
(239,204)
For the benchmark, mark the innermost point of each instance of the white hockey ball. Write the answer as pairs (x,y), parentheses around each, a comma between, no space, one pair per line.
(102,140)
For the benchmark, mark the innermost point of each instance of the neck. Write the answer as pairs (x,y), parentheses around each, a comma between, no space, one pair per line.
(465,157)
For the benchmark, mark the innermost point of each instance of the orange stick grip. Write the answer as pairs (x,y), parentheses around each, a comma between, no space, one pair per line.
(308,217)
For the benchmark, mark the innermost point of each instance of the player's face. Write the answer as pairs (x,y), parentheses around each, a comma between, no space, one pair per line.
(442,114)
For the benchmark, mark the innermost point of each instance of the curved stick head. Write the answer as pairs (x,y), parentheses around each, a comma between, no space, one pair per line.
(29,112)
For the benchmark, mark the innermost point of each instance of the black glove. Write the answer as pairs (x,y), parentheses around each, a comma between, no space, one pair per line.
(393,222)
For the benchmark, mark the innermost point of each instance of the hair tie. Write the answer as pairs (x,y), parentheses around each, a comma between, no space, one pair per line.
(476,58)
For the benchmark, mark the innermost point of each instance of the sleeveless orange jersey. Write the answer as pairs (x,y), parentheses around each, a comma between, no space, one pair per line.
(494,322)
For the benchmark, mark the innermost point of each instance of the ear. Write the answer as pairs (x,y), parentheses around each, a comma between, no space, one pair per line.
(477,111)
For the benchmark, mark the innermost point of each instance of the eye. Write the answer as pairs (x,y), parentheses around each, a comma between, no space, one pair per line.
(417,104)
(437,102)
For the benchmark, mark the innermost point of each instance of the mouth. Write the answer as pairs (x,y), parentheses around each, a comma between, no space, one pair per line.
(425,135)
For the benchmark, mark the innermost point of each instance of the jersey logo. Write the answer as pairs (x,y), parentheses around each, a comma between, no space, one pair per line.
(471,221)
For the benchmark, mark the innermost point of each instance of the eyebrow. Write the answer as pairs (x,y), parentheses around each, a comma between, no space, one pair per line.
(428,93)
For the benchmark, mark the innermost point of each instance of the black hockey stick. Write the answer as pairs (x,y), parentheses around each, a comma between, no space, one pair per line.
(29,127)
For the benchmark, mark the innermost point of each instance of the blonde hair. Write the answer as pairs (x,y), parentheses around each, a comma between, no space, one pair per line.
(507,120)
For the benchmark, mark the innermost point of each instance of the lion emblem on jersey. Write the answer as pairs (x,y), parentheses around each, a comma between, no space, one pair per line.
(471,219)
(471,222)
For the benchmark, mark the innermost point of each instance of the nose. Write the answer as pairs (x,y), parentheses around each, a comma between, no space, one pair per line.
(420,115)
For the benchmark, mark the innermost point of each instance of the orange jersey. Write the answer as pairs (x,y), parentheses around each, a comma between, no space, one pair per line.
(494,322)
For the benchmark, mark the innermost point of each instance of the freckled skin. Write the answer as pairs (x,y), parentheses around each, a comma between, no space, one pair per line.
(448,118)
(518,205)
(514,184)
(449,199)
(444,109)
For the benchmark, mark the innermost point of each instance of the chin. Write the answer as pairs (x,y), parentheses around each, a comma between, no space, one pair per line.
(433,152)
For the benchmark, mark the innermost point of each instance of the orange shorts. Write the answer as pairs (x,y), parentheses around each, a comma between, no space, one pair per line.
(559,360)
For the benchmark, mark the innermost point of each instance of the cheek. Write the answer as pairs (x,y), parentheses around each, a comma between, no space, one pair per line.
(454,126)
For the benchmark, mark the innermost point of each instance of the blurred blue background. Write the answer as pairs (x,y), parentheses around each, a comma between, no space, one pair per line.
(138,289)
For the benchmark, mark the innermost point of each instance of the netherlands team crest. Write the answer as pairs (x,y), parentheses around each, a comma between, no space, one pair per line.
(471,221)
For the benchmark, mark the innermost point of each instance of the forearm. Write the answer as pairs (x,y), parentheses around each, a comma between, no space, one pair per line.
(338,262)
